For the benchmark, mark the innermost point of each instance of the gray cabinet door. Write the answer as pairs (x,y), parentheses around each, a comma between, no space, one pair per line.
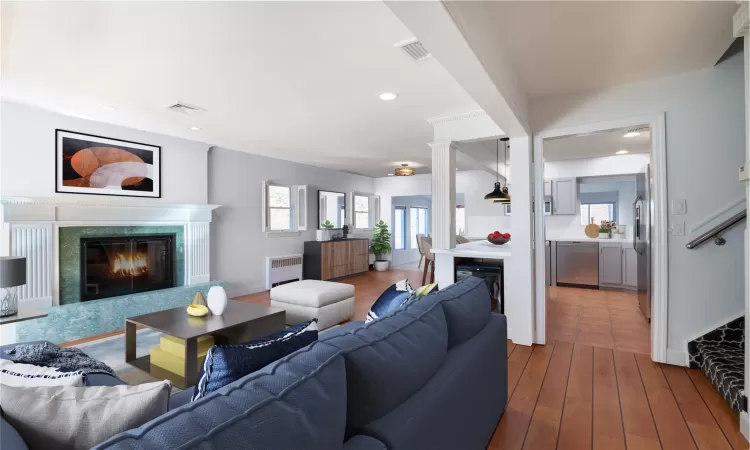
(548,188)
(610,264)
(564,196)
(629,266)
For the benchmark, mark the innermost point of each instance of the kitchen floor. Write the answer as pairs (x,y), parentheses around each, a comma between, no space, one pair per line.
(606,319)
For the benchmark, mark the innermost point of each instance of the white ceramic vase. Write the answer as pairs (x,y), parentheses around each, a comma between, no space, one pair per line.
(217,300)
(381,266)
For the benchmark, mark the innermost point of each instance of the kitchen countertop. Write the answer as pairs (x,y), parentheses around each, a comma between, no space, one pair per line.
(588,239)
(477,249)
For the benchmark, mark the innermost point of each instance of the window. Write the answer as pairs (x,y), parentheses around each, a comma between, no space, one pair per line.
(417,224)
(361,212)
(460,220)
(399,228)
(280,207)
(597,211)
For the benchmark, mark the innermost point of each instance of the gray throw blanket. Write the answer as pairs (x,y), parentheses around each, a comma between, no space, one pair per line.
(65,359)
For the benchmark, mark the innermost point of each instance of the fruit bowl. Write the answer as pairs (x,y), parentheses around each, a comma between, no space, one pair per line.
(498,241)
(197,310)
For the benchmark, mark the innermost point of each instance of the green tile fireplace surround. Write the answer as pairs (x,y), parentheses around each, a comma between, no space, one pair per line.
(70,253)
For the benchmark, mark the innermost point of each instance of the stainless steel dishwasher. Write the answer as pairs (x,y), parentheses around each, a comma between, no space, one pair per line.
(578,264)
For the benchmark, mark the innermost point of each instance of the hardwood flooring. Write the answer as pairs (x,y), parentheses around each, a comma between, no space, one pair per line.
(593,386)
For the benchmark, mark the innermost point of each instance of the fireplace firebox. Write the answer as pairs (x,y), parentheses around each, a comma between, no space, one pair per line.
(113,266)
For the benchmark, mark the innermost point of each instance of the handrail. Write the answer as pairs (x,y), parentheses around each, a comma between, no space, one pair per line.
(717,230)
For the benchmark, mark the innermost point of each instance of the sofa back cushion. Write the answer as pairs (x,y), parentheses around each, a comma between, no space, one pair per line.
(297,402)
(388,360)
(467,307)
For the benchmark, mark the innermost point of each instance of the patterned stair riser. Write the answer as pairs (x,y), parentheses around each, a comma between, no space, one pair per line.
(720,355)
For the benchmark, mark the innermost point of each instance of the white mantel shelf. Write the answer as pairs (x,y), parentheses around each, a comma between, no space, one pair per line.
(478,249)
(98,210)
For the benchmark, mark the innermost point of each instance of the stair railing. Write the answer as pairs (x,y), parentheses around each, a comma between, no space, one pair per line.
(716,231)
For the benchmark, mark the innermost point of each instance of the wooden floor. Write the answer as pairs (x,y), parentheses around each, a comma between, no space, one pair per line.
(593,386)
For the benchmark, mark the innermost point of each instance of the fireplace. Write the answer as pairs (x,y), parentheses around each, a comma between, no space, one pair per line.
(121,265)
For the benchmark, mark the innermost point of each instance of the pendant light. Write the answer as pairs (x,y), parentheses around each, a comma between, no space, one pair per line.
(404,171)
(500,193)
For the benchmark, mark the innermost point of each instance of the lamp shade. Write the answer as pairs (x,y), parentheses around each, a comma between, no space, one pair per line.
(12,271)
(499,193)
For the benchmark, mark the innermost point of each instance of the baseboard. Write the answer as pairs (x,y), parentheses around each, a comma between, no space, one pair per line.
(745,425)
(245,290)
(677,358)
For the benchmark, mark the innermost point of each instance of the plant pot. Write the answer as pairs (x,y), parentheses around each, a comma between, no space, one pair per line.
(604,236)
(381,266)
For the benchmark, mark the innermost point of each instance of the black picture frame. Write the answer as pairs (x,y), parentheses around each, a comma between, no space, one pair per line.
(150,157)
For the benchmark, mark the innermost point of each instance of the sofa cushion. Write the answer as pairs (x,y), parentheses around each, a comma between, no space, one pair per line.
(460,406)
(388,360)
(391,299)
(467,308)
(17,374)
(225,364)
(296,402)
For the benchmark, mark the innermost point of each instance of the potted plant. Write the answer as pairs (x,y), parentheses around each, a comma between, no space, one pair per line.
(604,233)
(380,245)
(327,225)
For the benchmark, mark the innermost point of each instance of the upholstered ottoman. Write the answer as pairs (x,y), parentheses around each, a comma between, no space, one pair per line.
(331,303)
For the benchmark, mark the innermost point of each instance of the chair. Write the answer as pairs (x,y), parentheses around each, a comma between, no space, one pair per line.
(429,260)
(461,240)
(421,251)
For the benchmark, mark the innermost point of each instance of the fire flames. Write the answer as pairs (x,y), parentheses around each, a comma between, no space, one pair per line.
(130,264)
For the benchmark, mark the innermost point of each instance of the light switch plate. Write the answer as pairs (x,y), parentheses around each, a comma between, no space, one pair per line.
(678,207)
(678,228)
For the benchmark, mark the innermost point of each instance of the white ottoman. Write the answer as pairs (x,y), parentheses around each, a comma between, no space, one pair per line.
(331,303)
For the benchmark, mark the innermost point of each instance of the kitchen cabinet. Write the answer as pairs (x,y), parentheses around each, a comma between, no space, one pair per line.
(548,188)
(610,264)
(564,196)
(629,266)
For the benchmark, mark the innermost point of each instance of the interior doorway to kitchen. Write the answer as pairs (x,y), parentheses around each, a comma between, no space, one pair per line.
(596,228)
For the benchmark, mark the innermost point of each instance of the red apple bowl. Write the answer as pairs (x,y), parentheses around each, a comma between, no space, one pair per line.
(498,238)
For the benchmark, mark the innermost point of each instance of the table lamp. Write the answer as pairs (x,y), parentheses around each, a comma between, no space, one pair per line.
(12,275)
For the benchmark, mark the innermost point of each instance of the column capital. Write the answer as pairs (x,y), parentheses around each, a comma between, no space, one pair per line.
(451,145)
(741,21)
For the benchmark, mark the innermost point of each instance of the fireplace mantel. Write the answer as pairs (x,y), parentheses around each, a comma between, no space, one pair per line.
(30,227)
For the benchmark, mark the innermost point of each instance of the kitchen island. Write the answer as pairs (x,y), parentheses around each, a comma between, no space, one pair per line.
(446,260)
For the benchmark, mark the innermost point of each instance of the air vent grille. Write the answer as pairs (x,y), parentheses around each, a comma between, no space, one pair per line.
(184,108)
(416,50)
(639,130)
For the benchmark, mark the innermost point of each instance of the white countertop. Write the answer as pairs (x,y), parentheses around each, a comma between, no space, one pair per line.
(588,239)
(478,249)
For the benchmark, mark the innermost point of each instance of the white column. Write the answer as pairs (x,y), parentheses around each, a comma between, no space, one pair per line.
(443,224)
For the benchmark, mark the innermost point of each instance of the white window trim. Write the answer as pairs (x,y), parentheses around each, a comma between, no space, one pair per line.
(373,211)
(296,227)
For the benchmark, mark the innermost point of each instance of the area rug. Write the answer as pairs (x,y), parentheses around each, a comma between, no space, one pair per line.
(111,351)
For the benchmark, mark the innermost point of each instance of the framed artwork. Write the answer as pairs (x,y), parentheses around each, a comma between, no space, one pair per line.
(96,165)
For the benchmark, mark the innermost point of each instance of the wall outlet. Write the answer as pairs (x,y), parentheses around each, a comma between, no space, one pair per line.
(678,207)
(678,228)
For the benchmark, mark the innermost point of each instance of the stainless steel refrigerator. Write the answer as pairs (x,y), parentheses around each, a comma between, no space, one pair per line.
(642,208)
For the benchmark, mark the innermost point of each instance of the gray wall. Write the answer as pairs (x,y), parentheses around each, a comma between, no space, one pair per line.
(238,246)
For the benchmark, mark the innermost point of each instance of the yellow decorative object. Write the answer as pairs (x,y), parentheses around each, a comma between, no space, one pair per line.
(197,310)
(199,299)
(170,353)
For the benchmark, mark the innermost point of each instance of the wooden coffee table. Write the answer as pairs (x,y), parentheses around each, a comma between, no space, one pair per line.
(240,322)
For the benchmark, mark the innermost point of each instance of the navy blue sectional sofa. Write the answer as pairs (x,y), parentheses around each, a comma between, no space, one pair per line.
(432,376)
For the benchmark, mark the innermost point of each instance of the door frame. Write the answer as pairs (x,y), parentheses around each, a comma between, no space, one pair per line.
(659,248)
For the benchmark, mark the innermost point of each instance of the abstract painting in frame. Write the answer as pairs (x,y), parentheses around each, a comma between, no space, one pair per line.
(97,165)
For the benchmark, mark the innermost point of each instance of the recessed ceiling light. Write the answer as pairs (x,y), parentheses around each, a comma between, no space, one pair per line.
(195,128)
(108,108)
(621,152)
(630,134)
(388,96)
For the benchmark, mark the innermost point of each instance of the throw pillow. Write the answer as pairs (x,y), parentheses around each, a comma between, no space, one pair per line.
(64,417)
(28,375)
(390,300)
(225,364)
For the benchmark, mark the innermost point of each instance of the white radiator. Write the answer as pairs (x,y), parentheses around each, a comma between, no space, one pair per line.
(283,269)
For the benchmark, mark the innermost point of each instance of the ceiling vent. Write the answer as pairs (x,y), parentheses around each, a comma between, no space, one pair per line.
(415,49)
(638,130)
(184,108)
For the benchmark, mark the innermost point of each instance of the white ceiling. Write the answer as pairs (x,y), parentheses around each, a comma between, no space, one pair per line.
(559,47)
(297,81)
(595,145)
